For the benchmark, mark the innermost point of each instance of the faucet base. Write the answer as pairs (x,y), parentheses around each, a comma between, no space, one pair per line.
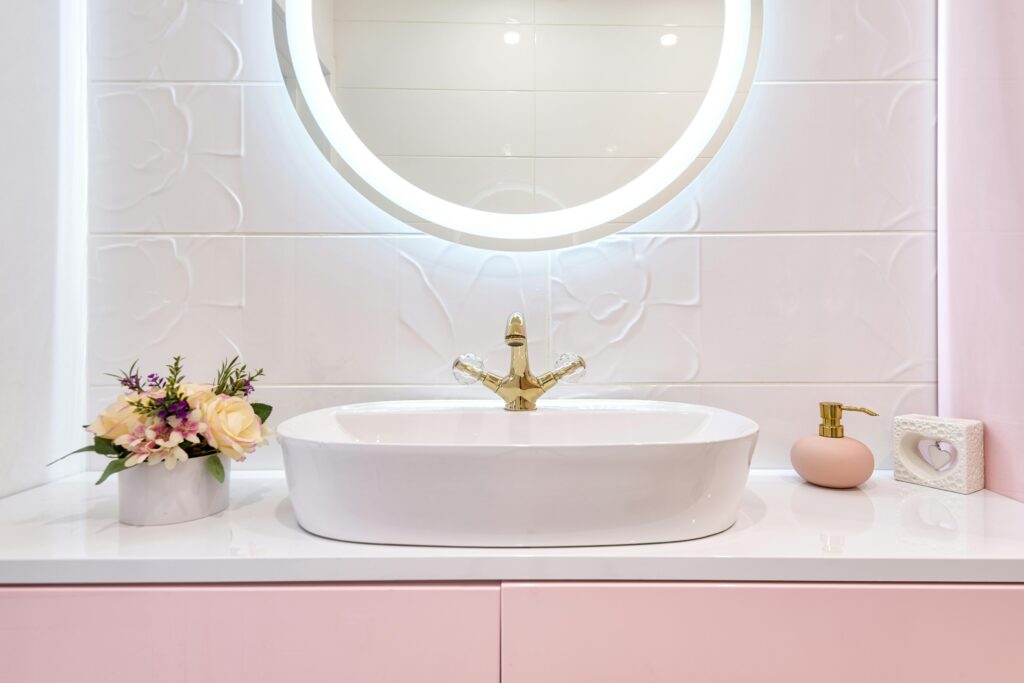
(520,404)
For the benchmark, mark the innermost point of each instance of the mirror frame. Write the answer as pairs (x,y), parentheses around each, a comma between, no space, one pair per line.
(741,42)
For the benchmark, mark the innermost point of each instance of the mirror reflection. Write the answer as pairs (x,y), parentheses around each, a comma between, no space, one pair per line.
(517,106)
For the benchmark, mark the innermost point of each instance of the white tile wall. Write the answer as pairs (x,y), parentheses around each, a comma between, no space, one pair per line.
(619,13)
(835,156)
(799,267)
(626,58)
(589,124)
(213,158)
(813,40)
(503,184)
(442,122)
(183,40)
(447,11)
(434,56)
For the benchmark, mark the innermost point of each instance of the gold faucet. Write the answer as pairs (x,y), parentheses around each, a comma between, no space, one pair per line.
(520,388)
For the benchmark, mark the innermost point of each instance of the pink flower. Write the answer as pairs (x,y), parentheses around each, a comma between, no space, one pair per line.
(189,429)
(154,441)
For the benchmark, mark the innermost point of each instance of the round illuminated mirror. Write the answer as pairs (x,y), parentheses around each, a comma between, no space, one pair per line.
(518,124)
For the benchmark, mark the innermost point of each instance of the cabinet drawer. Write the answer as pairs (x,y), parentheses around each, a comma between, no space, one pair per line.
(735,633)
(192,634)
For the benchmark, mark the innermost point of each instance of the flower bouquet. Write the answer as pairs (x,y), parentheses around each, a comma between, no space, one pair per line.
(186,427)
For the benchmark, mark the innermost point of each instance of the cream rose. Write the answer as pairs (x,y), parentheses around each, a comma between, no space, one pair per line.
(231,425)
(190,390)
(117,419)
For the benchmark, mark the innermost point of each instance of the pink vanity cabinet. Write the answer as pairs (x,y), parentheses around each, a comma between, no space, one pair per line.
(771,632)
(515,633)
(273,633)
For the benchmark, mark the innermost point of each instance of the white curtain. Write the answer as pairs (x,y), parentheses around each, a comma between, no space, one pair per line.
(43,233)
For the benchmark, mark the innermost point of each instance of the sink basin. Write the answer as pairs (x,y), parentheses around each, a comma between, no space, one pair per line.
(467,473)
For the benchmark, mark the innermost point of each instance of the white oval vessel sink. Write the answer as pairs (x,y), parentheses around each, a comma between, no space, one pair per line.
(468,473)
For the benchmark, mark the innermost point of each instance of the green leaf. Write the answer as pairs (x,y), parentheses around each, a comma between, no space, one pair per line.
(105,446)
(215,467)
(113,467)
(262,411)
(83,449)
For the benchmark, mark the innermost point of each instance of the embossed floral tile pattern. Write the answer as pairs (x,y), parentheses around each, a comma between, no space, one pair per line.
(799,267)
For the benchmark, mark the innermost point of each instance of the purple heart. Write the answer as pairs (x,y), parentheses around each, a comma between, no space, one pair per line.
(940,455)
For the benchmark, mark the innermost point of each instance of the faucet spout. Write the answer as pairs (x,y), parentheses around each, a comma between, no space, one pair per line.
(520,388)
(515,330)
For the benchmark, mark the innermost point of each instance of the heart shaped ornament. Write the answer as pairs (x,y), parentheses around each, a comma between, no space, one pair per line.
(945,453)
(940,455)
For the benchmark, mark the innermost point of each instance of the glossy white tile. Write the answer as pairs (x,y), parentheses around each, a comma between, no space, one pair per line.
(321,310)
(838,308)
(631,307)
(309,310)
(156,297)
(565,182)
(455,299)
(447,123)
(499,184)
(625,58)
(749,309)
(452,11)
(434,56)
(825,40)
(639,13)
(214,159)
(589,124)
(182,40)
(821,157)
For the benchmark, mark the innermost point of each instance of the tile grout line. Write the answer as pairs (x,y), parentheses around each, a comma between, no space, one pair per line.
(233,84)
(845,81)
(264,84)
(416,234)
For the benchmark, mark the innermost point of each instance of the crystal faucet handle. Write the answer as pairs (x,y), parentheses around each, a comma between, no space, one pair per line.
(468,368)
(570,368)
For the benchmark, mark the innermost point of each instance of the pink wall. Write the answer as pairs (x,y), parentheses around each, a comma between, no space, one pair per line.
(981,228)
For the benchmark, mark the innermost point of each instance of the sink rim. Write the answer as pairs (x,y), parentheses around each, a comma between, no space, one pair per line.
(287,430)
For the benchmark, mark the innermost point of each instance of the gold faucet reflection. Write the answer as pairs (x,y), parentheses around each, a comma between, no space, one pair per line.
(520,388)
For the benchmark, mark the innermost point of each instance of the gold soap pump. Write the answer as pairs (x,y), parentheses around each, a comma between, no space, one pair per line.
(831,458)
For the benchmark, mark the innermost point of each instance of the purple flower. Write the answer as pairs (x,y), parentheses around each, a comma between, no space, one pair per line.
(131,383)
(155,380)
(178,409)
(247,388)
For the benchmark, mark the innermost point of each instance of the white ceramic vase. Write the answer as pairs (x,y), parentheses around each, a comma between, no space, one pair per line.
(152,494)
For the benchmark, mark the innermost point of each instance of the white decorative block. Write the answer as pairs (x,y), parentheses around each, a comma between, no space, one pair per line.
(941,452)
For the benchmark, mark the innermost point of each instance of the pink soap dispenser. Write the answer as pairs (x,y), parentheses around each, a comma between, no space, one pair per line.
(831,459)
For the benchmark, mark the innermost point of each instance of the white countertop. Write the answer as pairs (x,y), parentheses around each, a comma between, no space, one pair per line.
(67,532)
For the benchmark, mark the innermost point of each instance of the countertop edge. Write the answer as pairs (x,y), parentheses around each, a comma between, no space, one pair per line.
(120,571)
